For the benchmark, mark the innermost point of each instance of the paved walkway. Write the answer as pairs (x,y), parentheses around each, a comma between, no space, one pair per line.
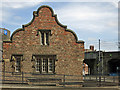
(28,87)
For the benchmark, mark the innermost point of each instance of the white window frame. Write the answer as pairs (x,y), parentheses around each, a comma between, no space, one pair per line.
(44,65)
(40,38)
(37,65)
(44,38)
(50,65)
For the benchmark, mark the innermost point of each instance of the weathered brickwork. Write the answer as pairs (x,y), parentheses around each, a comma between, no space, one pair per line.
(62,42)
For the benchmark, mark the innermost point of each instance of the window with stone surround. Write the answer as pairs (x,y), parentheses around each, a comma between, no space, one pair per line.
(16,59)
(44,36)
(45,64)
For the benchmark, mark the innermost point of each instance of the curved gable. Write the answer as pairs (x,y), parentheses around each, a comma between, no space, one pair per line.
(36,14)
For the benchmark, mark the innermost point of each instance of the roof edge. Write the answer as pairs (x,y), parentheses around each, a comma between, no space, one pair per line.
(77,41)
(35,13)
(19,29)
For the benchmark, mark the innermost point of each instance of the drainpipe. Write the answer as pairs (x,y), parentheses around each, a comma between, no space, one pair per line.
(1,45)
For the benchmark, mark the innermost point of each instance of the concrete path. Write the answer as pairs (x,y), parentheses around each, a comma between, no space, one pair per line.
(28,87)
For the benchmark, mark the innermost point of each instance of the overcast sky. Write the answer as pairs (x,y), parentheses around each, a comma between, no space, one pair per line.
(89,20)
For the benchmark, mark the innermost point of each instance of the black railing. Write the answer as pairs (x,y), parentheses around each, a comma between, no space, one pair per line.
(95,80)
(41,79)
(59,79)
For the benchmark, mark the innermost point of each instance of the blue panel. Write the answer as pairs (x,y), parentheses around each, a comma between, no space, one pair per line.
(5,32)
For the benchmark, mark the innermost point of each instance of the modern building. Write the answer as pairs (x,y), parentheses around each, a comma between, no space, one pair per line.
(42,47)
(108,64)
(85,69)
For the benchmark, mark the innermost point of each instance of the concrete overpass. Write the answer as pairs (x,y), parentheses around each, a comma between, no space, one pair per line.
(109,63)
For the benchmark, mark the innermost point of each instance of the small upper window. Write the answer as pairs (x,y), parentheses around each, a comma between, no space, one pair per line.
(44,37)
(47,38)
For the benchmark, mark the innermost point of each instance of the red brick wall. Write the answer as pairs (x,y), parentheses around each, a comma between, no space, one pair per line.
(63,43)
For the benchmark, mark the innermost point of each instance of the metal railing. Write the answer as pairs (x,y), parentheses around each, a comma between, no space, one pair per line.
(96,80)
(40,79)
(59,79)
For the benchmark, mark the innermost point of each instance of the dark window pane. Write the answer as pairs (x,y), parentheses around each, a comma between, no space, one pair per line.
(38,65)
(42,37)
(18,63)
(50,65)
(46,64)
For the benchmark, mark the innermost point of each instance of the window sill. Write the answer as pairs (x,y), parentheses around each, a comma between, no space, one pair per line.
(38,73)
(17,73)
(44,45)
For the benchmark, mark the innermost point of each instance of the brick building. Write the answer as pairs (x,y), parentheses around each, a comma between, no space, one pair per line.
(43,47)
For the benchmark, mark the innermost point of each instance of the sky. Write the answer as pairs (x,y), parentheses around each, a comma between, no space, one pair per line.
(90,21)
